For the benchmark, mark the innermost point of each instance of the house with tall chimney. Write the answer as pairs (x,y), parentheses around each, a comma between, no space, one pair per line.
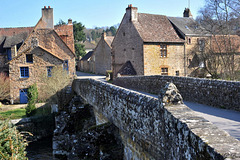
(147,44)
(30,53)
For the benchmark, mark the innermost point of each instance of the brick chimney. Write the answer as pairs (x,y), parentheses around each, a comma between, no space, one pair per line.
(47,17)
(187,13)
(131,13)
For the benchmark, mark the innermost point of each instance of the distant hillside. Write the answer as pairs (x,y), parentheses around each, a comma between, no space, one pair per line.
(93,35)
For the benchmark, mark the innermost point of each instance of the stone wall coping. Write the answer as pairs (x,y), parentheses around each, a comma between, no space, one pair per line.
(194,132)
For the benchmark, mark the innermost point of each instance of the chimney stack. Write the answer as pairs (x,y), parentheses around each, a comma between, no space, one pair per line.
(69,21)
(131,13)
(187,13)
(47,17)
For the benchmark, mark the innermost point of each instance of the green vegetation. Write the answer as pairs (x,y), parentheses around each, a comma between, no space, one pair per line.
(12,143)
(79,36)
(13,114)
(32,100)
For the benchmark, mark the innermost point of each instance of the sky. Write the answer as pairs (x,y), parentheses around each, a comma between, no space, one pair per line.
(91,13)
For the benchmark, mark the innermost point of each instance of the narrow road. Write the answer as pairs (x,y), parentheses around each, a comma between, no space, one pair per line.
(83,75)
(224,119)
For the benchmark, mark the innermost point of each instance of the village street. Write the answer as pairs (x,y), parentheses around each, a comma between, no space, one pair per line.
(224,119)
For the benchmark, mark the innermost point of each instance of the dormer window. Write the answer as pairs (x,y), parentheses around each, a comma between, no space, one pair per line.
(29,58)
(163,50)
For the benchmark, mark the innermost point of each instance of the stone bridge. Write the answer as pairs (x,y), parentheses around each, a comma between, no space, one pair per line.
(151,129)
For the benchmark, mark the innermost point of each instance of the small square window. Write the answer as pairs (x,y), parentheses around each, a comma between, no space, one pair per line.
(164,71)
(177,73)
(49,71)
(29,58)
(24,72)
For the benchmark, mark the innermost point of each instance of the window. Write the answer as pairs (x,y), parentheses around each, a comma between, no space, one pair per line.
(201,43)
(29,58)
(9,54)
(24,72)
(189,40)
(49,71)
(65,65)
(163,50)
(164,71)
(177,73)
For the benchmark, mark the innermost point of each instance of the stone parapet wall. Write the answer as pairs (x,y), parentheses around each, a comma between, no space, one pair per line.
(218,93)
(162,132)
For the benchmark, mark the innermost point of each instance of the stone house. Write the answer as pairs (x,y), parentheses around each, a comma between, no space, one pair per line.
(147,44)
(86,63)
(193,35)
(102,55)
(40,50)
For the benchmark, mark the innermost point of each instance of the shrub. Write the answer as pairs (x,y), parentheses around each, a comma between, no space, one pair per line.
(12,143)
(32,100)
(4,86)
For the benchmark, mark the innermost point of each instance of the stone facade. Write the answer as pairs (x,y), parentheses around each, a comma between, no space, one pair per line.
(102,55)
(47,48)
(152,130)
(218,93)
(153,62)
(139,39)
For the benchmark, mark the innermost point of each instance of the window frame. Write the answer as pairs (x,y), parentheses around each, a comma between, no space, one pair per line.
(49,71)
(65,65)
(164,71)
(163,50)
(24,72)
(27,58)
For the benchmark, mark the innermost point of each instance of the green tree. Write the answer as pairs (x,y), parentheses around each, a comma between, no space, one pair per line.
(12,142)
(61,22)
(79,50)
(79,35)
(32,100)
(94,35)
(113,30)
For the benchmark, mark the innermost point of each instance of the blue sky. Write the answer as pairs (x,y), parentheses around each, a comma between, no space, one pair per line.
(91,13)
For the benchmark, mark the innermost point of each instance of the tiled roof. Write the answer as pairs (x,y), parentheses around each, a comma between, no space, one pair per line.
(156,28)
(16,39)
(15,31)
(109,40)
(87,56)
(188,26)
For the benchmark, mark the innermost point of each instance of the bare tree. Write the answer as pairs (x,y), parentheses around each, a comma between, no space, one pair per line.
(4,86)
(220,55)
(53,85)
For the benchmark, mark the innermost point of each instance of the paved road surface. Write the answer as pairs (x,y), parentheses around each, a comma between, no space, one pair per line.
(83,75)
(227,120)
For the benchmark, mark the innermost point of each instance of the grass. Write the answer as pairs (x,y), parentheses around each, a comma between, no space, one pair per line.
(13,114)
(21,113)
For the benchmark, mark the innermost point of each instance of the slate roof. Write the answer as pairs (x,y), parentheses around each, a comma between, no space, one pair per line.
(187,26)
(16,39)
(87,56)
(156,28)
(127,69)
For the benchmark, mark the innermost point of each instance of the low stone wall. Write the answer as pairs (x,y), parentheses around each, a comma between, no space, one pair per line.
(157,131)
(218,93)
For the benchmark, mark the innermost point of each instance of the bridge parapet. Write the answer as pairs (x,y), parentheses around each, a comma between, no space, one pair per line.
(153,131)
(218,93)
